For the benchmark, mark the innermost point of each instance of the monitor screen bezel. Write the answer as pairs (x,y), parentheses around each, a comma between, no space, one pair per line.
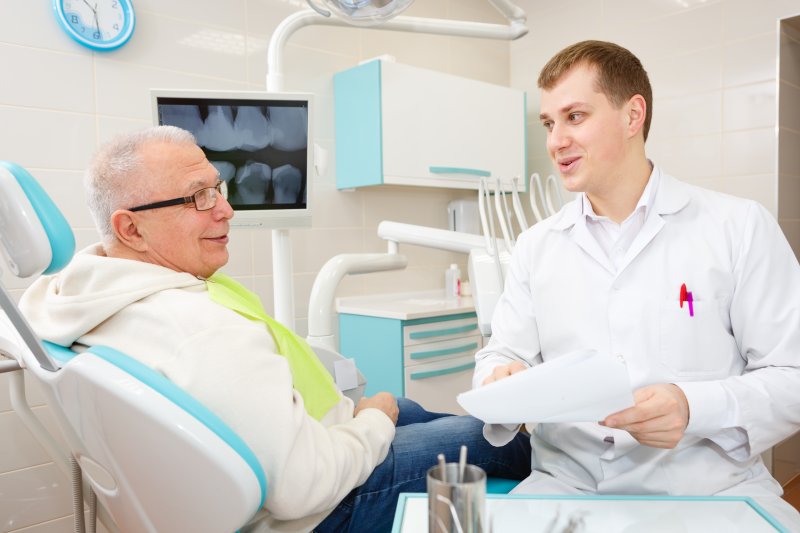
(258,218)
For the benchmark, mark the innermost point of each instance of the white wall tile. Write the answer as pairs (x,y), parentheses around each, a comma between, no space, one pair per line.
(19,449)
(33,495)
(694,114)
(791,228)
(688,158)
(123,89)
(745,18)
(696,72)
(65,187)
(749,106)
(759,188)
(749,152)
(31,87)
(187,47)
(46,139)
(231,13)
(750,60)
(33,24)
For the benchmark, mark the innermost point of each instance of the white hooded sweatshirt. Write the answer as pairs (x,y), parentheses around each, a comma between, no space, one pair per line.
(166,320)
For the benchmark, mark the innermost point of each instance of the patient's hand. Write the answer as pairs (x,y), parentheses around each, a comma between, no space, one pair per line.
(503,371)
(383,401)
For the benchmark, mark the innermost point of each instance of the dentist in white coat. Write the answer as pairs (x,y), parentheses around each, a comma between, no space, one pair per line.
(696,291)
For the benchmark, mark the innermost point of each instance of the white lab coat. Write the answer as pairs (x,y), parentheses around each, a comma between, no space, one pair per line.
(737,359)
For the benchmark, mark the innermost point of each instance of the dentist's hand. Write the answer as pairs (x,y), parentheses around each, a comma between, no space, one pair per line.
(503,371)
(658,419)
(382,401)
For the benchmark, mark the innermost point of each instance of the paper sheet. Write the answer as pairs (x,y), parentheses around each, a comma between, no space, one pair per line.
(581,386)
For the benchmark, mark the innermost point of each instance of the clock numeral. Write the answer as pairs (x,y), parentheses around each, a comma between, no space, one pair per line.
(114,4)
(74,19)
(96,35)
(116,26)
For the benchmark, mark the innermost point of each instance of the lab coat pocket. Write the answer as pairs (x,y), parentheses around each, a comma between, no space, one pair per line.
(694,345)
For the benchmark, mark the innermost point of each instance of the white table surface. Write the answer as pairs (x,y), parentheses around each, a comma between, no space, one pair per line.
(405,305)
(604,514)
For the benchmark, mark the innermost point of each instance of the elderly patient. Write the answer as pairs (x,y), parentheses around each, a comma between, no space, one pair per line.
(152,290)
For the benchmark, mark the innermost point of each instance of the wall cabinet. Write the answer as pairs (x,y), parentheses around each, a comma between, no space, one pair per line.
(429,359)
(403,125)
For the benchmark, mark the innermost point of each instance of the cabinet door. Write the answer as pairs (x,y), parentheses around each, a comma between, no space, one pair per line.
(435,124)
(435,385)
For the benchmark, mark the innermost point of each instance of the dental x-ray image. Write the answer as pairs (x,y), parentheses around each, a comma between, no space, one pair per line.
(259,148)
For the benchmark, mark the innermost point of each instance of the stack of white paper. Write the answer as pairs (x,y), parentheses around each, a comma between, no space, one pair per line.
(582,386)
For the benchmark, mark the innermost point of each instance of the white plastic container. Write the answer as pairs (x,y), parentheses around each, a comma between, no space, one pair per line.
(452,282)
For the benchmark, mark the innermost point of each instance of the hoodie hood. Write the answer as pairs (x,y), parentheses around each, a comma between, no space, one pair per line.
(63,307)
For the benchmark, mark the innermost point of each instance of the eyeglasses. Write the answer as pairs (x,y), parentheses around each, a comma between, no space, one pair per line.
(203,200)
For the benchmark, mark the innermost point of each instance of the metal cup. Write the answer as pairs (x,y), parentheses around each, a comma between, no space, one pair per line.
(453,506)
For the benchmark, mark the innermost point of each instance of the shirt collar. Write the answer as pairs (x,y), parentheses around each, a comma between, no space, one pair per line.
(644,203)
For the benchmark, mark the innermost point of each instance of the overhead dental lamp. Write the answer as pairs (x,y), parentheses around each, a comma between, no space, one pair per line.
(361,12)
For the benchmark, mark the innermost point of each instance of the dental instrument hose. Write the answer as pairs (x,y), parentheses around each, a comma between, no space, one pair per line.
(77,500)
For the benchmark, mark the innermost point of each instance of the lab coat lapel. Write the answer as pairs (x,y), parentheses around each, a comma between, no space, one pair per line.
(572,219)
(670,198)
(587,242)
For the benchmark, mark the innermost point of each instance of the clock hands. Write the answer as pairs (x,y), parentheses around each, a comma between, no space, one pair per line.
(94,12)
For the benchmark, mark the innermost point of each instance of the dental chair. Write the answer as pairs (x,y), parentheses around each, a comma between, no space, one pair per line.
(155,458)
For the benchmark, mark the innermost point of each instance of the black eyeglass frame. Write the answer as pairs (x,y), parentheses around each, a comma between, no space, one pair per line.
(221,187)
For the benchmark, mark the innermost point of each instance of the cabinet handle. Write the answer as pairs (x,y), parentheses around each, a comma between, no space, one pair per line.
(438,332)
(459,170)
(449,351)
(442,372)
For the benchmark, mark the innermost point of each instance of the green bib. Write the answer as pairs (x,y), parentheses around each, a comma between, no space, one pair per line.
(309,376)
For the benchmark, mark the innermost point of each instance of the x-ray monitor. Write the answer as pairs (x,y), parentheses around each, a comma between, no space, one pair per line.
(259,142)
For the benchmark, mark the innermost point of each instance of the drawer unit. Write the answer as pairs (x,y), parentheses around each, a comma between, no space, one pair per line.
(436,384)
(429,360)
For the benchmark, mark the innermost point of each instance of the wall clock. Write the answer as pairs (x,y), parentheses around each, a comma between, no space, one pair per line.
(97,24)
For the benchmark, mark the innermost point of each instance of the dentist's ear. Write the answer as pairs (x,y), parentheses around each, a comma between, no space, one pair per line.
(637,112)
(125,227)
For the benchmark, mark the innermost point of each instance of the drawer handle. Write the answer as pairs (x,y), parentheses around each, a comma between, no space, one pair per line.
(437,332)
(449,351)
(442,372)
(459,170)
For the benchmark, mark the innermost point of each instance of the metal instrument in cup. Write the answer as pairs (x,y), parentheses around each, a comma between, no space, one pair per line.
(456,499)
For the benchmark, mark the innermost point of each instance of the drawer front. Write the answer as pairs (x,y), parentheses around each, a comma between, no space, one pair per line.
(416,354)
(439,331)
(436,384)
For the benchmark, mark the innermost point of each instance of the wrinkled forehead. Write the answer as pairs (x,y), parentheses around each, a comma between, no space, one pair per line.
(178,168)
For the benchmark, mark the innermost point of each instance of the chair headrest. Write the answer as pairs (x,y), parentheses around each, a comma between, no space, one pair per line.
(34,235)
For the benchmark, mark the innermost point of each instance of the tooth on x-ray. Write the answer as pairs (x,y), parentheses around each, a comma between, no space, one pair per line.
(182,116)
(226,169)
(286,183)
(252,128)
(252,183)
(289,127)
(218,131)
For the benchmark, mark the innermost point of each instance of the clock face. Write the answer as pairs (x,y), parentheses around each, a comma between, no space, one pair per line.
(98,24)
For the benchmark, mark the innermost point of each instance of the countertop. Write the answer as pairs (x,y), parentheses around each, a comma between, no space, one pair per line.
(405,305)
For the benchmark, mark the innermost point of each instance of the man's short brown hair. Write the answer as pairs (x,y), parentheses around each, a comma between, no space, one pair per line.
(620,74)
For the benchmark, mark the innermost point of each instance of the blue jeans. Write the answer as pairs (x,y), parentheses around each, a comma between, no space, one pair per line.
(420,437)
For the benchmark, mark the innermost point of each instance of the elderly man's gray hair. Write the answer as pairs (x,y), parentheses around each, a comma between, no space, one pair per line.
(111,178)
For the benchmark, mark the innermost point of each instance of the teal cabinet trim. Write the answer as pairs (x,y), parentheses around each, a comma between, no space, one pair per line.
(359,137)
(449,351)
(442,372)
(442,332)
(376,344)
(459,170)
(433,319)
